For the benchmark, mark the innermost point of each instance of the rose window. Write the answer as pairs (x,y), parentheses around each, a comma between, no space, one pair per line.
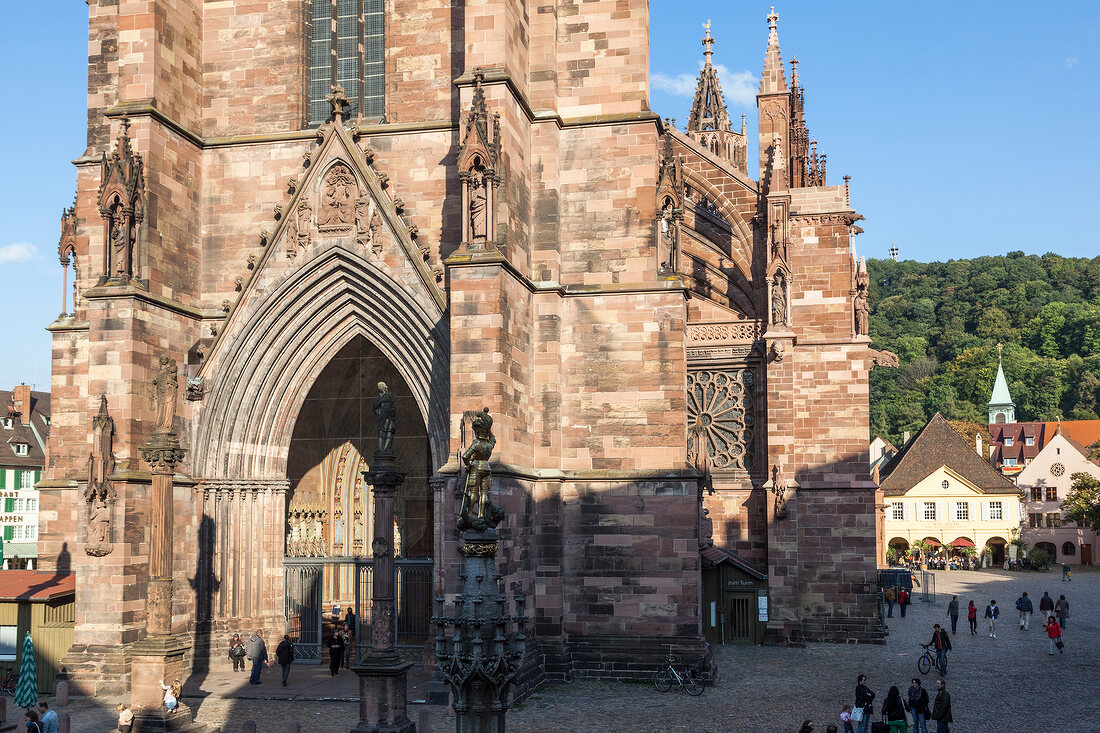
(720,417)
(1057,469)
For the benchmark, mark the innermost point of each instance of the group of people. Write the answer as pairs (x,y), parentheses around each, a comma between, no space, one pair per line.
(41,719)
(255,651)
(895,708)
(1055,613)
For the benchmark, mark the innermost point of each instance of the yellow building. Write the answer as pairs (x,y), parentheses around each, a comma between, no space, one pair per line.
(939,489)
(45,605)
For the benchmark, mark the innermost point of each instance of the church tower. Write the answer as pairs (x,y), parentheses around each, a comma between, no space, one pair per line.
(1001,407)
(709,121)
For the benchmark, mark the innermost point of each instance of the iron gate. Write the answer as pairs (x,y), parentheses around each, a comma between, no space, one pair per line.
(305,610)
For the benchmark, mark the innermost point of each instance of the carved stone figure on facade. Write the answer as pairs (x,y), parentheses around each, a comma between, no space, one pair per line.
(479,212)
(118,243)
(101,464)
(337,199)
(476,510)
(165,387)
(305,221)
(99,522)
(862,312)
(121,204)
(779,490)
(779,299)
(386,413)
(362,220)
(668,235)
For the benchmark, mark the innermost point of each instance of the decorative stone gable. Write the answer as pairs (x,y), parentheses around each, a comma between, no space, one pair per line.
(479,168)
(122,206)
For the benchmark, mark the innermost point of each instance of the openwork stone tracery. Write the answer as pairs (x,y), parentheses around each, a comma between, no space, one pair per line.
(720,414)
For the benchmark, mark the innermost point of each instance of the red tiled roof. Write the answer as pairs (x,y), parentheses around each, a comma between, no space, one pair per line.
(1085,432)
(35,585)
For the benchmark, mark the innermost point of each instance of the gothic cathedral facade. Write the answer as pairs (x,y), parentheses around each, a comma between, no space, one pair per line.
(293,200)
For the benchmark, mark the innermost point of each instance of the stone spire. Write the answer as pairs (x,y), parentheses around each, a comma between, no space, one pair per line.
(773,80)
(708,110)
(1001,407)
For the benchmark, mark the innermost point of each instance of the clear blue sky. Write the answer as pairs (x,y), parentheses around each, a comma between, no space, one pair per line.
(968,128)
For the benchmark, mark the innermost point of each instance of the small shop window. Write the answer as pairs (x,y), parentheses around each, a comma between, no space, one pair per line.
(7,643)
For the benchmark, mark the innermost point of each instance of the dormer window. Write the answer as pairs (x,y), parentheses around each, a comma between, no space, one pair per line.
(1008,441)
(1029,441)
(7,423)
(19,448)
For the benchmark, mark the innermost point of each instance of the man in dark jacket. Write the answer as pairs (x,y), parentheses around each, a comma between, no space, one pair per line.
(953,612)
(284,654)
(941,709)
(941,642)
(256,650)
(336,646)
(864,699)
(992,612)
(1023,605)
(916,701)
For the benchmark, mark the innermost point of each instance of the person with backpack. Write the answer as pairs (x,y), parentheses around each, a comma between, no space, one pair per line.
(903,601)
(256,650)
(941,642)
(1054,635)
(941,708)
(992,612)
(1023,605)
(284,655)
(916,702)
(237,653)
(1061,610)
(894,711)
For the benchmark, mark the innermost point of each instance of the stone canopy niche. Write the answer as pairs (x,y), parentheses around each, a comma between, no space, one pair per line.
(122,206)
(328,505)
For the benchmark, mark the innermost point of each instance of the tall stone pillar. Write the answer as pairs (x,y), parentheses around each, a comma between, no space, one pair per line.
(159,656)
(382,674)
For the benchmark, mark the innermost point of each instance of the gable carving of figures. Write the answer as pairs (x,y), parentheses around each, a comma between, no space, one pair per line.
(339,192)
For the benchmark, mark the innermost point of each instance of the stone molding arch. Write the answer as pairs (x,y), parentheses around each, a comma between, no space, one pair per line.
(260,378)
(743,254)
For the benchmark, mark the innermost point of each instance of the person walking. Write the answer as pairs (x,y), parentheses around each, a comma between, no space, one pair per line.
(32,725)
(953,613)
(903,600)
(256,650)
(972,617)
(335,651)
(48,718)
(864,707)
(1054,635)
(284,655)
(941,708)
(991,614)
(1023,605)
(237,653)
(1061,610)
(941,642)
(1066,575)
(1046,605)
(891,596)
(916,699)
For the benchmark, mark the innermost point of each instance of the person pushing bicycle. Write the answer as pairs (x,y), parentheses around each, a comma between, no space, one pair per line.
(941,642)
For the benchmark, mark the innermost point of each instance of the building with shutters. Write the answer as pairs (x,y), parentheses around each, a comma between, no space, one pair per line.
(24,429)
(938,489)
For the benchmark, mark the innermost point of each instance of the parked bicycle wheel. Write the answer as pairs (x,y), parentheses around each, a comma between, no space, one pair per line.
(924,664)
(663,680)
(9,685)
(693,686)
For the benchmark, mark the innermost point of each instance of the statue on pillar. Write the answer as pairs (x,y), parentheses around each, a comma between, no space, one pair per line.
(165,386)
(386,413)
(779,299)
(101,464)
(476,510)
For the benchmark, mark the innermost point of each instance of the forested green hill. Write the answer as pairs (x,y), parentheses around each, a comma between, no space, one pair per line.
(945,319)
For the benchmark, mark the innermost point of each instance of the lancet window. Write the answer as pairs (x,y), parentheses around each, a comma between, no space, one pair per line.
(346,47)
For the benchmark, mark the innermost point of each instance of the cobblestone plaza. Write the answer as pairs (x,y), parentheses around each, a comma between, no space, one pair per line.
(1009,684)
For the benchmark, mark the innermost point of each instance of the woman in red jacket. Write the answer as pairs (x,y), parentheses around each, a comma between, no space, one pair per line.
(1054,634)
(972,617)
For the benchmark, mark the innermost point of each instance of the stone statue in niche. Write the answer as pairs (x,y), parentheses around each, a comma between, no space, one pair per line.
(165,386)
(668,235)
(362,220)
(338,196)
(99,521)
(479,203)
(779,299)
(305,216)
(101,464)
(386,413)
(862,312)
(476,510)
(375,239)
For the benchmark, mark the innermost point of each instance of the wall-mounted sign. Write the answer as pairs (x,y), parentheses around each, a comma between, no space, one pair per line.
(762,607)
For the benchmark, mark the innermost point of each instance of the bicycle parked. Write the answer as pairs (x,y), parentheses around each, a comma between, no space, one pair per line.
(8,682)
(691,680)
(928,660)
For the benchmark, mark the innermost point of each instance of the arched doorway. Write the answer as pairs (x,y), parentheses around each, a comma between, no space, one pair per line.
(329,508)
(1048,548)
(900,547)
(996,547)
